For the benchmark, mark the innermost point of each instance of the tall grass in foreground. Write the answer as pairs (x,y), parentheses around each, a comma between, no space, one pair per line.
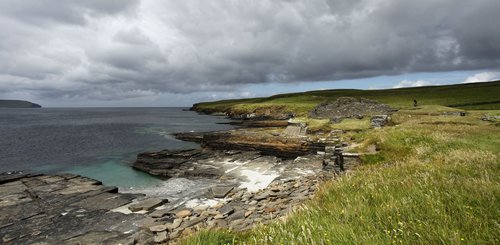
(431,184)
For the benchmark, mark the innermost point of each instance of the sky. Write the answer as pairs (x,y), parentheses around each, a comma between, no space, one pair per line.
(174,53)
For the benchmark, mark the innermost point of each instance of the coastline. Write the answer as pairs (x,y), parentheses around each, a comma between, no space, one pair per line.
(241,195)
(258,175)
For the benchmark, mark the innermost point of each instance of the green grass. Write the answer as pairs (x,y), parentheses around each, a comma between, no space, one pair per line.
(468,96)
(487,112)
(423,109)
(430,184)
(481,107)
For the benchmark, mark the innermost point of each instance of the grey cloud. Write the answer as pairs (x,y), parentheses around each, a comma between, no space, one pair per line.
(132,37)
(120,49)
(40,12)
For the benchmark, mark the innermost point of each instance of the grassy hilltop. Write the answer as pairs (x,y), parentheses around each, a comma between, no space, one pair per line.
(466,96)
(435,180)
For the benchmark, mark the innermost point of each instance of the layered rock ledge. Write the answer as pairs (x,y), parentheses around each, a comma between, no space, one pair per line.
(266,141)
(251,188)
(62,209)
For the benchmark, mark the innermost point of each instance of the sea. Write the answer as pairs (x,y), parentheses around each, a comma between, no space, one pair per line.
(100,143)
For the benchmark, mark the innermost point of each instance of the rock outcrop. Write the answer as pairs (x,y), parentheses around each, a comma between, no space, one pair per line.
(268,143)
(62,209)
(240,209)
(168,163)
(239,205)
(215,164)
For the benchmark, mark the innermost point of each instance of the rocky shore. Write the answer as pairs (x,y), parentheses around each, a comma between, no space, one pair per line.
(62,209)
(70,209)
(258,175)
(228,207)
(253,186)
(266,141)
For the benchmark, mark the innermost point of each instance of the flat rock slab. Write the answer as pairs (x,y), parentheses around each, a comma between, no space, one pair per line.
(237,215)
(100,237)
(76,189)
(261,196)
(160,213)
(226,210)
(106,201)
(195,221)
(147,204)
(221,191)
(158,228)
(161,237)
(9,177)
(183,213)
(62,209)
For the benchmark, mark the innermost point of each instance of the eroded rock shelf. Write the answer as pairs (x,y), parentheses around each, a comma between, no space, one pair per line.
(64,208)
(257,175)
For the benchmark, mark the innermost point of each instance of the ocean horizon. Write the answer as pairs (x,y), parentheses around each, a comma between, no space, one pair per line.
(97,142)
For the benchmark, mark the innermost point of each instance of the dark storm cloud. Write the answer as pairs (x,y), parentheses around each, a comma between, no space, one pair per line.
(118,49)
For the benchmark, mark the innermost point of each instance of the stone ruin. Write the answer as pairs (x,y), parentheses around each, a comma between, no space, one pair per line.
(333,157)
(348,107)
(296,129)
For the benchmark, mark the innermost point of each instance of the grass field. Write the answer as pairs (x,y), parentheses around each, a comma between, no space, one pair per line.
(484,96)
(436,180)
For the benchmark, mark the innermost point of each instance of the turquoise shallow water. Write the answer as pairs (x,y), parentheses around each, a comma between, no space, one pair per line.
(100,143)
(115,173)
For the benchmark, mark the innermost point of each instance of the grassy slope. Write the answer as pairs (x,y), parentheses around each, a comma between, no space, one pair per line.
(301,103)
(436,181)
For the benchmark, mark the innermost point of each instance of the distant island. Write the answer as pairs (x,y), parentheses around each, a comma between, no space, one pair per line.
(18,104)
